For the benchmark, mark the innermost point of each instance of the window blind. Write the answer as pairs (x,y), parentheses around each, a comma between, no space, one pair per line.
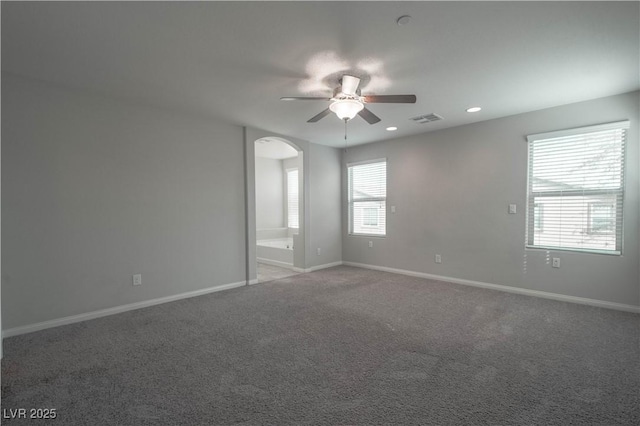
(367,198)
(576,189)
(292,198)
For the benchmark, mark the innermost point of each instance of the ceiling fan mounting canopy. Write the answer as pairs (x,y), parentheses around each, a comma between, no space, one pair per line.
(347,101)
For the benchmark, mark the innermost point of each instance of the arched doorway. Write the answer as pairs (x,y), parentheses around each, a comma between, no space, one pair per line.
(275,171)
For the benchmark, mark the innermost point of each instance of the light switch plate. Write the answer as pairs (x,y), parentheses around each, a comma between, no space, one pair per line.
(512,209)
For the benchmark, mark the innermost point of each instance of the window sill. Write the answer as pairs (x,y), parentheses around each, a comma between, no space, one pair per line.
(574,250)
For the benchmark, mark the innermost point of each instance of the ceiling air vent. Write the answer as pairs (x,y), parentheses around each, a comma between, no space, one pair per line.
(426,118)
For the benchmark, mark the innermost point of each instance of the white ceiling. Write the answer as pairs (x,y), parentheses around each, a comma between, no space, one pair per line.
(274,148)
(234,60)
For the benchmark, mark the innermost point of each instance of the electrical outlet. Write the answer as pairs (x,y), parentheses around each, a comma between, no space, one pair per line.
(556,262)
(393,209)
(512,209)
(438,258)
(137,279)
(370,244)
(318,251)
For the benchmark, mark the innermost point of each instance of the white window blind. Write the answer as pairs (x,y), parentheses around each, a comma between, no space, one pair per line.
(367,198)
(576,189)
(292,198)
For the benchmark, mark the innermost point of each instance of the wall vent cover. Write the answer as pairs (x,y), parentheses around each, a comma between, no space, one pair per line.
(426,118)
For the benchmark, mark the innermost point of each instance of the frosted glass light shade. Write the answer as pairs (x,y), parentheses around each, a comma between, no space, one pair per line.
(346,108)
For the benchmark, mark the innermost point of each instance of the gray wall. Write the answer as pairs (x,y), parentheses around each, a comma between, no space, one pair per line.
(452,189)
(325,205)
(1,342)
(270,200)
(95,190)
(291,163)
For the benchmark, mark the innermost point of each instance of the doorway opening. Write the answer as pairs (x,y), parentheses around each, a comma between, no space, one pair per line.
(278,189)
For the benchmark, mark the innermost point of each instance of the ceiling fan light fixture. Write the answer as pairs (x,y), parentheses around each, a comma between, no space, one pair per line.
(347,102)
(346,109)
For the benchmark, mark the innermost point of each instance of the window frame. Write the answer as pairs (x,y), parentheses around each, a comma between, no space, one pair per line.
(619,193)
(539,224)
(350,202)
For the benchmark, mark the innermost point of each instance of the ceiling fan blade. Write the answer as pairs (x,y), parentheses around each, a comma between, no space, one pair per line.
(369,117)
(297,98)
(350,84)
(320,116)
(390,99)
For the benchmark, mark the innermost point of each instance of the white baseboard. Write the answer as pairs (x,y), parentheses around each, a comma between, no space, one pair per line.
(508,289)
(115,310)
(276,263)
(254,281)
(325,266)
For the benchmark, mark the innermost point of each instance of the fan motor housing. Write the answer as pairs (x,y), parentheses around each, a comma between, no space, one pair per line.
(337,94)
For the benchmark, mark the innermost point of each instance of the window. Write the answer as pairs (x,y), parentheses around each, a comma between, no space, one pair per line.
(576,189)
(602,218)
(538,217)
(292,198)
(370,216)
(367,198)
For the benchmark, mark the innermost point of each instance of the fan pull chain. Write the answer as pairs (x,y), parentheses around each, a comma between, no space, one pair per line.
(345,132)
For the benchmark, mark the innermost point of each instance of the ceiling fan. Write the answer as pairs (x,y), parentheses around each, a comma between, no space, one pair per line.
(347,101)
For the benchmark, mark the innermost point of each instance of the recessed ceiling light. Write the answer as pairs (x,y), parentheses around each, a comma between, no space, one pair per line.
(392,128)
(473,109)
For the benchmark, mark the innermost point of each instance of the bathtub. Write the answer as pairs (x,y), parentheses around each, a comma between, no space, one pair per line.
(282,243)
(275,251)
